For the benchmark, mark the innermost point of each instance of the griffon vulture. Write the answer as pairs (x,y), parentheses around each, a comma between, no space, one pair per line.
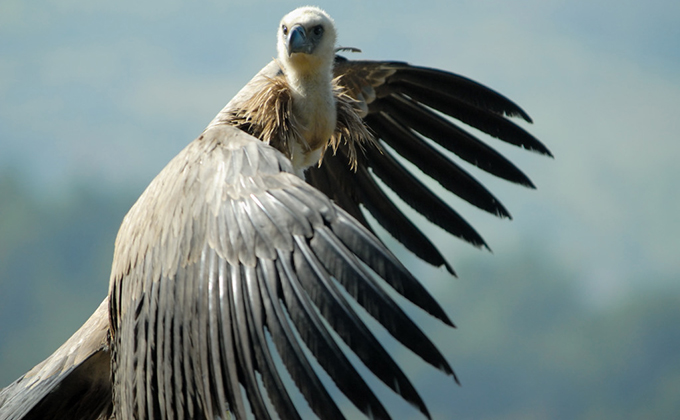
(236,254)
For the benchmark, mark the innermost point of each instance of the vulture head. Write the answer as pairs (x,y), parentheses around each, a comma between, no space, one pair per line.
(306,40)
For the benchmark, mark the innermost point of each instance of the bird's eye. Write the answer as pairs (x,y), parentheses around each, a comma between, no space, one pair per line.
(318,30)
(284,28)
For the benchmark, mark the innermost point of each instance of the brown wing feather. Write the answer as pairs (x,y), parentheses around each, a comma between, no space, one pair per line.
(401,104)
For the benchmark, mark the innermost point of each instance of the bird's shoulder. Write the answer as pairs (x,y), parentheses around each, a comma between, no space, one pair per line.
(226,189)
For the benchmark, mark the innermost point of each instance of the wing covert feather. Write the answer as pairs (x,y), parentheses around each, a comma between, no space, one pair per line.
(250,251)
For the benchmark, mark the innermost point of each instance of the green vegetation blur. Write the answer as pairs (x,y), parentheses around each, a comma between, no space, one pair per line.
(528,343)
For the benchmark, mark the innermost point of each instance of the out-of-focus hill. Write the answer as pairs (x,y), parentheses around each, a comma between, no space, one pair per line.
(529,343)
(55,258)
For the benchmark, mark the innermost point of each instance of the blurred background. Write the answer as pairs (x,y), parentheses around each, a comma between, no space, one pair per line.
(575,314)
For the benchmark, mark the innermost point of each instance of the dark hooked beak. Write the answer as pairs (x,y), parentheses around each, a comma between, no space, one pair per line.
(298,42)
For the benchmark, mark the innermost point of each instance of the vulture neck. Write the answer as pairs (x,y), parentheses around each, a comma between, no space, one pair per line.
(314,110)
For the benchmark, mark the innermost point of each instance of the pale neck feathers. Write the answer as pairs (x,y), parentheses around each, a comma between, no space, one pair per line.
(280,116)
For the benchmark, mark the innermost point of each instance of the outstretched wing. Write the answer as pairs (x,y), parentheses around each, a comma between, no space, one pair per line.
(72,384)
(228,258)
(403,106)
